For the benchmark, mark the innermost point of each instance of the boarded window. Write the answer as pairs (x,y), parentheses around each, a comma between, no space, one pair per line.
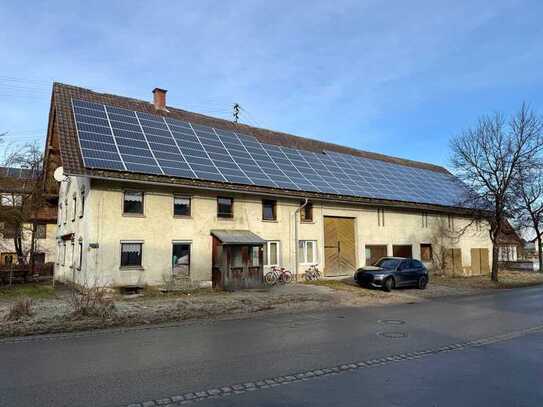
(374,253)
(131,254)
(133,202)
(254,255)
(426,252)
(402,251)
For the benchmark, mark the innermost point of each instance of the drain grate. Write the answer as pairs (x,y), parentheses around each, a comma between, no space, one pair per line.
(394,335)
(391,321)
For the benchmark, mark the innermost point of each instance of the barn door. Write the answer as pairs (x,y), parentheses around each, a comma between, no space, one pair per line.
(453,262)
(339,246)
(479,262)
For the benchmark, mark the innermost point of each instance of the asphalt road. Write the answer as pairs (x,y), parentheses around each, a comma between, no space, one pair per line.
(116,368)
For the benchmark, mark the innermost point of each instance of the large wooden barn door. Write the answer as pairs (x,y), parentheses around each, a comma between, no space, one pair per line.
(339,246)
(479,262)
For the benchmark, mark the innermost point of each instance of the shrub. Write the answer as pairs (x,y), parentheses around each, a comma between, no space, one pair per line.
(92,302)
(21,309)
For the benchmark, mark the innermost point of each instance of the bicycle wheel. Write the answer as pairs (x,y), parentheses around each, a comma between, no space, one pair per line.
(270,278)
(286,277)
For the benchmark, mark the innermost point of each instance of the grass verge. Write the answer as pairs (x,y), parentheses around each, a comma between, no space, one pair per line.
(30,290)
(506,279)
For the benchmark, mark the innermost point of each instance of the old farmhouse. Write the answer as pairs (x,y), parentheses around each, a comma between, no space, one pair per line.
(149,194)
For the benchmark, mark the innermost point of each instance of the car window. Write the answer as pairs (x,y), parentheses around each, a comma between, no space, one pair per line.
(388,264)
(404,265)
(416,264)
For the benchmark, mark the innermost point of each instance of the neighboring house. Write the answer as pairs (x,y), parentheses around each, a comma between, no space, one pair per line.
(14,184)
(510,245)
(151,194)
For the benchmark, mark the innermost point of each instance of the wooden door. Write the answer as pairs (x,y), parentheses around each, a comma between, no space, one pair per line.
(453,262)
(339,246)
(374,253)
(480,264)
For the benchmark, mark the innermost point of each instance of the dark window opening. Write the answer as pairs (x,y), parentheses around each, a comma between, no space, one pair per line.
(39,258)
(181,206)
(225,207)
(82,210)
(269,210)
(374,253)
(306,213)
(74,209)
(80,263)
(181,259)
(131,254)
(133,202)
(402,251)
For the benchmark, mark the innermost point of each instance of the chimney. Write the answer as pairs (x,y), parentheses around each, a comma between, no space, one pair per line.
(159,98)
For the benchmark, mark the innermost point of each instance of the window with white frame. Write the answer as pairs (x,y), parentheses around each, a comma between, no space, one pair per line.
(307,252)
(272,253)
(131,254)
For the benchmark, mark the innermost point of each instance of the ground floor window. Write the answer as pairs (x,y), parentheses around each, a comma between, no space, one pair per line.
(507,253)
(272,251)
(236,260)
(39,258)
(254,256)
(181,258)
(374,253)
(80,263)
(307,251)
(64,253)
(426,252)
(7,259)
(402,250)
(131,254)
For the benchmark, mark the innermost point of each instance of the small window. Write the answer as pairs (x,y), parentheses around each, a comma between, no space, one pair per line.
(307,251)
(131,254)
(74,209)
(9,231)
(426,252)
(254,255)
(306,213)
(133,202)
(80,262)
(181,206)
(64,253)
(6,199)
(59,214)
(381,217)
(17,200)
(272,253)
(225,207)
(424,220)
(82,207)
(41,231)
(65,219)
(269,209)
(7,259)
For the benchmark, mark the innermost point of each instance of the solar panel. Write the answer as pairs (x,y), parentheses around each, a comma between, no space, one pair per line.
(113,138)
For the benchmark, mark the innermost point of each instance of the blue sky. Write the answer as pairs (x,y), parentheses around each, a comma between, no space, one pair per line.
(398,78)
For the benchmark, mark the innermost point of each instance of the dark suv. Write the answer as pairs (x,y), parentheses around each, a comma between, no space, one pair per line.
(391,272)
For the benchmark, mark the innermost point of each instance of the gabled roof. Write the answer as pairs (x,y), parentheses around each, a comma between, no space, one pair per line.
(65,128)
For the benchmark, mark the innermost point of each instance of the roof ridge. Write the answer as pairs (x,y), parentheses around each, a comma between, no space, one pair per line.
(270,136)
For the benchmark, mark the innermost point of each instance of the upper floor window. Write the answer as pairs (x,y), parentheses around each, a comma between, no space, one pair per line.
(133,202)
(181,206)
(225,207)
(269,209)
(380,217)
(82,207)
(306,213)
(59,214)
(41,231)
(74,209)
(65,213)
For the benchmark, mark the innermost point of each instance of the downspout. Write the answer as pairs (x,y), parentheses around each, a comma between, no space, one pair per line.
(295,268)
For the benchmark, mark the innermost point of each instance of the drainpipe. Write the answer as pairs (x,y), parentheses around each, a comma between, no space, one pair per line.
(295,268)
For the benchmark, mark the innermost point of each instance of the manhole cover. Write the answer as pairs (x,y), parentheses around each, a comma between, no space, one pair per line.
(391,321)
(394,335)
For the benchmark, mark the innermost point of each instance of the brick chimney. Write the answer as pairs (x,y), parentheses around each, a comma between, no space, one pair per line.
(159,98)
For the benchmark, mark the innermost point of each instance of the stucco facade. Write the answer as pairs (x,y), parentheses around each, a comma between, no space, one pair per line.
(98,231)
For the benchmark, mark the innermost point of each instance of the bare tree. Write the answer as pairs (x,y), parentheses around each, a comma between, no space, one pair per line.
(25,199)
(529,187)
(488,159)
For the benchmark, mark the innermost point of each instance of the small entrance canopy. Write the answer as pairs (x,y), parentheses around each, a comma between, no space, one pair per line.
(237,237)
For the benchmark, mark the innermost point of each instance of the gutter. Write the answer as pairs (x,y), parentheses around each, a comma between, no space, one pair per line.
(294,269)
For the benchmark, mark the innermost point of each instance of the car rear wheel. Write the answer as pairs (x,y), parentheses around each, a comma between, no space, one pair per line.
(423,282)
(388,284)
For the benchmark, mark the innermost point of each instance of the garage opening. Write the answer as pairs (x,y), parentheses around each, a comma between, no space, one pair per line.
(402,250)
(374,253)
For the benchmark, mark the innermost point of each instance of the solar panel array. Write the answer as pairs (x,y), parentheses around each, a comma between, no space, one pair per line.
(113,138)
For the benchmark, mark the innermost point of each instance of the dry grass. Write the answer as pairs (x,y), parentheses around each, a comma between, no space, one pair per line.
(347,285)
(20,309)
(150,292)
(507,279)
(30,290)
